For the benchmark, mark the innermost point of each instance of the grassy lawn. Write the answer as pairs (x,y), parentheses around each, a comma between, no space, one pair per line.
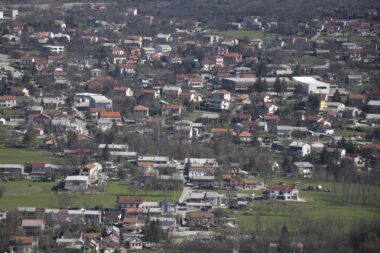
(318,205)
(14,155)
(240,34)
(40,194)
(193,116)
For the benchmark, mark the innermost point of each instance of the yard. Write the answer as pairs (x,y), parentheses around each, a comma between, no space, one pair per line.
(250,34)
(271,215)
(15,155)
(40,194)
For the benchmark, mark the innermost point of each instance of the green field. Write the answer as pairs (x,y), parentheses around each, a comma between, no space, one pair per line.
(15,155)
(40,194)
(241,34)
(317,206)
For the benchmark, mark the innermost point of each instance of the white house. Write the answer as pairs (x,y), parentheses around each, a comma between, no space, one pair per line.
(77,183)
(7,101)
(303,169)
(171,91)
(299,148)
(312,86)
(93,171)
(134,243)
(219,100)
(283,192)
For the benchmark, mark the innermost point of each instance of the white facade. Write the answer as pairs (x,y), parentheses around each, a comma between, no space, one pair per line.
(299,148)
(313,86)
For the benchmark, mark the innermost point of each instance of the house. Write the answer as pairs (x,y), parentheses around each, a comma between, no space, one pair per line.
(271,120)
(93,171)
(200,219)
(122,91)
(18,91)
(164,49)
(92,100)
(141,111)
(356,100)
(245,137)
(124,202)
(283,192)
(111,116)
(23,244)
(287,131)
(201,171)
(312,86)
(163,37)
(373,106)
(171,109)
(255,126)
(299,148)
(219,100)
(32,226)
(133,243)
(171,91)
(7,101)
(11,171)
(303,169)
(77,183)
(251,184)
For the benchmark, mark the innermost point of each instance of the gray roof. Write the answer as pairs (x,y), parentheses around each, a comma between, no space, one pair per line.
(303,164)
(374,102)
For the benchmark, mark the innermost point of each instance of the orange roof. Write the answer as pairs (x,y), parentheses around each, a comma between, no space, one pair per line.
(221,130)
(201,215)
(271,117)
(140,108)
(245,134)
(145,164)
(120,88)
(4,98)
(105,114)
(172,107)
(130,219)
(23,239)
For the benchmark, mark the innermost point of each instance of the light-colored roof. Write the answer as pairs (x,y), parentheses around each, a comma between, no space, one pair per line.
(309,80)
(77,178)
(32,223)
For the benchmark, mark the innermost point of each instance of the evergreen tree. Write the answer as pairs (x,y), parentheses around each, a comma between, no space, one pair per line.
(279,85)
(29,137)
(106,153)
(284,241)
(336,97)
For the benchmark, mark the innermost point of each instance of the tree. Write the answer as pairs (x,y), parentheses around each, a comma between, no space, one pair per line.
(284,241)
(106,153)
(152,232)
(29,137)
(2,191)
(260,85)
(314,103)
(336,97)
(279,85)
(187,167)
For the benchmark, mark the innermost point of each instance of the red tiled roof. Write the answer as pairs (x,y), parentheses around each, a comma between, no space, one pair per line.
(145,164)
(23,240)
(201,215)
(140,108)
(4,98)
(245,134)
(283,187)
(105,114)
